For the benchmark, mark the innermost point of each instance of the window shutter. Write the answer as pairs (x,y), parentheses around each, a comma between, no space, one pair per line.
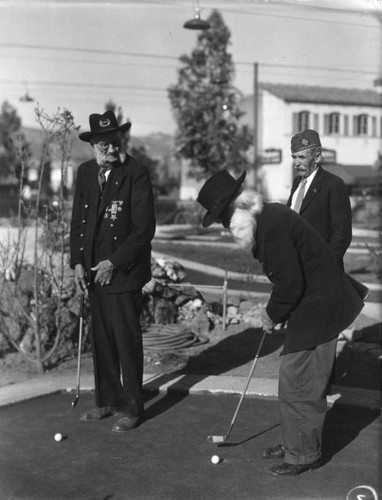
(346,125)
(326,124)
(316,122)
(295,123)
(355,125)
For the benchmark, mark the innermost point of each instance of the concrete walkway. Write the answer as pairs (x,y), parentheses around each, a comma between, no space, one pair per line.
(189,384)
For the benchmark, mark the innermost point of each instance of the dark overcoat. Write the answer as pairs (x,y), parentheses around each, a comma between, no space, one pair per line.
(310,291)
(326,206)
(119,226)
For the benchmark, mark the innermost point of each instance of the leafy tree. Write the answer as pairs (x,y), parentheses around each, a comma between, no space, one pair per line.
(10,159)
(205,106)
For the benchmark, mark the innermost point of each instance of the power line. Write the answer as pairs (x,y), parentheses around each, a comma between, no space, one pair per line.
(88,51)
(174,58)
(86,85)
(305,68)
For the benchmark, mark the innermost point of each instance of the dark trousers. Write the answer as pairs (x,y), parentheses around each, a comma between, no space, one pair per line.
(117,349)
(303,381)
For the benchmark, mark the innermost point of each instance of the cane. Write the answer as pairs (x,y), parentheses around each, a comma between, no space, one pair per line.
(81,327)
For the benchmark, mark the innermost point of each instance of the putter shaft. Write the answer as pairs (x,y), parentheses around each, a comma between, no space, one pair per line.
(220,439)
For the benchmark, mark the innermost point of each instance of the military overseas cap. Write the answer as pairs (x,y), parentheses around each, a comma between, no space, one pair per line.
(305,139)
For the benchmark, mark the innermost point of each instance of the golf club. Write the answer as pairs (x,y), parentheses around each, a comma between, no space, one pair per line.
(225,291)
(81,326)
(221,439)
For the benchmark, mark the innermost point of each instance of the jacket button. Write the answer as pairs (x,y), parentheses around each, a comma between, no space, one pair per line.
(82,249)
(115,237)
(86,206)
(81,235)
(84,221)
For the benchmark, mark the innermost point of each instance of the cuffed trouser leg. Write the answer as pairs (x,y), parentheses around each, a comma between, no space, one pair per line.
(303,380)
(117,348)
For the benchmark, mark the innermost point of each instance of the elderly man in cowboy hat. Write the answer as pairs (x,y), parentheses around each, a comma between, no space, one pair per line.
(310,292)
(112,226)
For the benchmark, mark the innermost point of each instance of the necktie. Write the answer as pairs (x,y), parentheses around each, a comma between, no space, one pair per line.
(101,179)
(300,196)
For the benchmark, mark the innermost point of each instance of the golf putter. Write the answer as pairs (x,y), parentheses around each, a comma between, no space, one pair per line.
(81,327)
(222,439)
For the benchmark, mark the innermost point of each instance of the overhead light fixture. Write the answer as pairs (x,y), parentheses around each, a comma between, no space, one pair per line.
(197,23)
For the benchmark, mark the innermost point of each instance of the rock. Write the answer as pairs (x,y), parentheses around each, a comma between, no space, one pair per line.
(216,308)
(245,306)
(165,312)
(232,310)
(200,323)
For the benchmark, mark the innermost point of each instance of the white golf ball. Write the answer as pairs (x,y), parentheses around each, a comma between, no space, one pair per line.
(58,437)
(215,459)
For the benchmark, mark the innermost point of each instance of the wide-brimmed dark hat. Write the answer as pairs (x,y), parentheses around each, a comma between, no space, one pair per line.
(216,194)
(103,124)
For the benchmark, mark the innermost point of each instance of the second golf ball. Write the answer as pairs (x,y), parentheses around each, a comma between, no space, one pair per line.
(215,459)
(58,437)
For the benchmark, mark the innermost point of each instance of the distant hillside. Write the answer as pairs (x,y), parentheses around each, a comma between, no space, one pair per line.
(158,146)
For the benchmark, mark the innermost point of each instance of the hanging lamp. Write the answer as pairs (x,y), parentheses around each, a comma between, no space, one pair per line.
(197,23)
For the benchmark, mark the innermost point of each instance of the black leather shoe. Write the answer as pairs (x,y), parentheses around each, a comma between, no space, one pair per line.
(274,452)
(126,423)
(97,414)
(293,469)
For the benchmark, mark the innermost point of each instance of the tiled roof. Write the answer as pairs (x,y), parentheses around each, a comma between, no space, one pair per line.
(324,95)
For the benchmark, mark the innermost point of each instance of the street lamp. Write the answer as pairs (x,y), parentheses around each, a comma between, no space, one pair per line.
(197,23)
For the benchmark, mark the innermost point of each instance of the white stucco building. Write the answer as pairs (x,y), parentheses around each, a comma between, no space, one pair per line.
(349,122)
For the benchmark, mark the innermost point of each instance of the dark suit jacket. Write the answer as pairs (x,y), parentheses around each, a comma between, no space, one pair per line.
(310,290)
(326,206)
(119,227)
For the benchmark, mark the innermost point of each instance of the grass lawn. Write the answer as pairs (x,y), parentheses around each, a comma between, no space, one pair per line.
(365,267)
(234,259)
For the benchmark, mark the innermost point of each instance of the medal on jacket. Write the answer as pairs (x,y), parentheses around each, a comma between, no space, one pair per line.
(113,209)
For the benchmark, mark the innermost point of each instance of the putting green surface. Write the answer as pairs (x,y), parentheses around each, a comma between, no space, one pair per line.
(168,456)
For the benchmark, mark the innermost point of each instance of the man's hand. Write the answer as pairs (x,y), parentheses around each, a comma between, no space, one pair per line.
(79,278)
(268,324)
(104,274)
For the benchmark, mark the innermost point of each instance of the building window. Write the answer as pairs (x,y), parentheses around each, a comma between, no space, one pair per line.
(303,120)
(346,125)
(334,123)
(360,125)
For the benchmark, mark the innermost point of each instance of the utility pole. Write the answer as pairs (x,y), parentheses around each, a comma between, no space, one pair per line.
(256,157)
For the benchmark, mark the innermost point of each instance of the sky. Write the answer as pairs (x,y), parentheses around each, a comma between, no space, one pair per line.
(78,55)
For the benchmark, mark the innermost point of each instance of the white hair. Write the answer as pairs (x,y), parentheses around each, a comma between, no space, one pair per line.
(243,220)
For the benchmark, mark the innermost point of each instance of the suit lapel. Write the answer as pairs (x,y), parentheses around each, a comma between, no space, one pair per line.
(314,188)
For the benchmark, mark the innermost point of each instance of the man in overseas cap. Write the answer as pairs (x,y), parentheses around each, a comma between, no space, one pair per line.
(310,292)
(320,197)
(112,226)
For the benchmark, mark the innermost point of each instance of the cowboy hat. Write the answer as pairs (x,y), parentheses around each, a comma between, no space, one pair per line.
(103,124)
(217,193)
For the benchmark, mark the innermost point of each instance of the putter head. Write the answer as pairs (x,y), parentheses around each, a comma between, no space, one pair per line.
(216,439)
(75,401)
